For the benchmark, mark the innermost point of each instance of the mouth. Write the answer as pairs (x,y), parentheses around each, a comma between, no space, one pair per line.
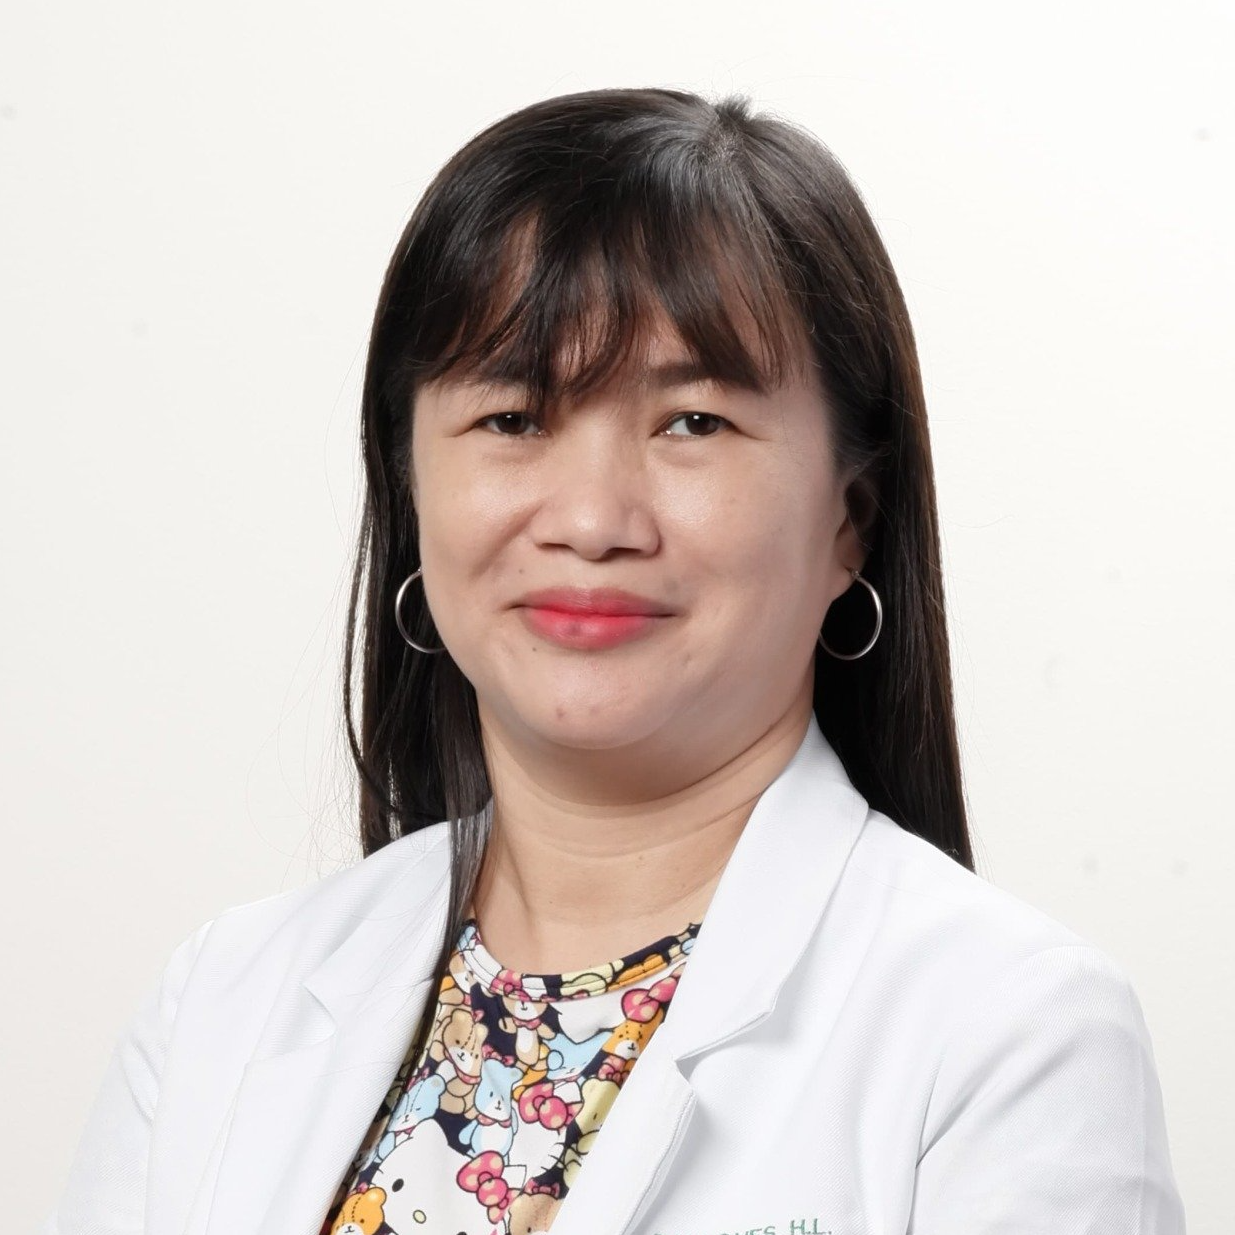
(594,602)
(590,631)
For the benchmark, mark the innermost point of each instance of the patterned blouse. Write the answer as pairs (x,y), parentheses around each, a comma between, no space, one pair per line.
(484,1132)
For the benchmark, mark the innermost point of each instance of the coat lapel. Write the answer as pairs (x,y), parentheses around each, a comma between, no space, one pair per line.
(307,1099)
(767,905)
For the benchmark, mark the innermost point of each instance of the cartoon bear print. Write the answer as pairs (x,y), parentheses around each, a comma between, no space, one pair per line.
(643,1013)
(568,1057)
(535,1072)
(493,1127)
(458,1052)
(415,1105)
(523,1020)
(531,1213)
(361,1213)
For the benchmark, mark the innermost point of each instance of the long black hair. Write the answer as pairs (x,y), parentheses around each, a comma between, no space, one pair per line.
(615,201)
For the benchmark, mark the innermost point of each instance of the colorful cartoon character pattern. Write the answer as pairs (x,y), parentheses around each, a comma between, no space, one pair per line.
(486,1131)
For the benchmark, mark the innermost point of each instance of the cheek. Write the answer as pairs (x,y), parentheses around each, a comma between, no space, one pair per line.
(770,549)
(761,530)
(458,518)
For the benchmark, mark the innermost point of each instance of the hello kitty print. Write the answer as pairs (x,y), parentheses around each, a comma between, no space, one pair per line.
(485,1132)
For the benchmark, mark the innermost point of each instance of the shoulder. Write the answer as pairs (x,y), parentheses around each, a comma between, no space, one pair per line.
(1025,1021)
(928,889)
(306,923)
(1040,1085)
(961,938)
(352,885)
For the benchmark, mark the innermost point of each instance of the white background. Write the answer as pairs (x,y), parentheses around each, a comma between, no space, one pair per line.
(198,205)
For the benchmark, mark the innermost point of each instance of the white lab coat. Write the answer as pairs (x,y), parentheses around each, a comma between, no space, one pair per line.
(867,1038)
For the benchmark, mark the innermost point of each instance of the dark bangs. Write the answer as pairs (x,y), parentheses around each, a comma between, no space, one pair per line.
(548,261)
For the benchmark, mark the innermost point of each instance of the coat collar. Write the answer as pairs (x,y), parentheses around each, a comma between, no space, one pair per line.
(326,1060)
(763,913)
(770,898)
(307,1098)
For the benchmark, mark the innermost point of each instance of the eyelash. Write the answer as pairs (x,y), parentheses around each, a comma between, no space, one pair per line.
(679,416)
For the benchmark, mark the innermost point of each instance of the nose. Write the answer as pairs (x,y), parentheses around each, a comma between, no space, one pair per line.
(594,494)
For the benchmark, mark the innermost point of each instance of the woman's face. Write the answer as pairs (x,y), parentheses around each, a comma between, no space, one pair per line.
(718,507)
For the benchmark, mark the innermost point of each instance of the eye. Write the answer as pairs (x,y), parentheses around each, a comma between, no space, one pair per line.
(502,421)
(697,420)
(506,419)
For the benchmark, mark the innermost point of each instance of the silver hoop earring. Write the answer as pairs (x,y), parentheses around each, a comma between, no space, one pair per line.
(399,615)
(857,578)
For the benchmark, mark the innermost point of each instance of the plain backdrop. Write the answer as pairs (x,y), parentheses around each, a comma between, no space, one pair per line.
(198,204)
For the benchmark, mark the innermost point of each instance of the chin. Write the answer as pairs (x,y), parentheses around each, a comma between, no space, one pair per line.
(593,723)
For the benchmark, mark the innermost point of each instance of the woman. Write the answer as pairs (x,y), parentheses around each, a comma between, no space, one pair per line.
(667,921)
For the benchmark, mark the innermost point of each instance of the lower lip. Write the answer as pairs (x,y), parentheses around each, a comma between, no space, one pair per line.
(589,630)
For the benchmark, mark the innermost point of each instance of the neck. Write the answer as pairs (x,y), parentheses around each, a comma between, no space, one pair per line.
(576,872)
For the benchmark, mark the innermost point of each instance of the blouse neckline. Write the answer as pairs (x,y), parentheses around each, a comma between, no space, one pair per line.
(643,962)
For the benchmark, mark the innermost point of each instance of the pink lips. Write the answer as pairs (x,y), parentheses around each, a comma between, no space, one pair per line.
(590,618)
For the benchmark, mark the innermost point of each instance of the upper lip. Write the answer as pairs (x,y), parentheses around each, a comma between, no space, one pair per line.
(607,600)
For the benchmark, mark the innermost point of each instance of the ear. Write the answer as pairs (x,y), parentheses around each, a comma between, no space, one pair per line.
(856,539)
(862,503)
